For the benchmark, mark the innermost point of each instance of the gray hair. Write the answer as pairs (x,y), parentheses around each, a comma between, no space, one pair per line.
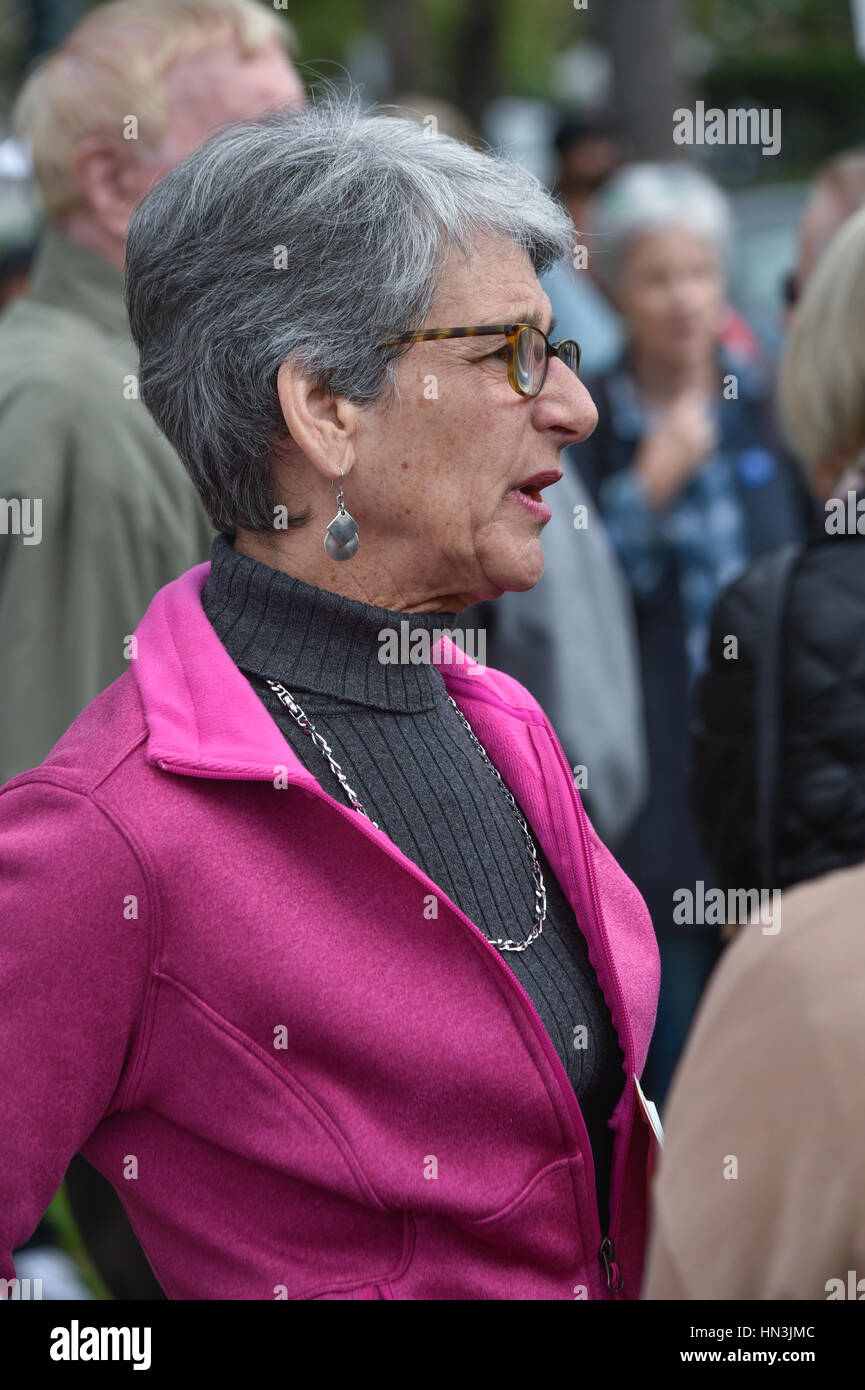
(308,235)
(643,198)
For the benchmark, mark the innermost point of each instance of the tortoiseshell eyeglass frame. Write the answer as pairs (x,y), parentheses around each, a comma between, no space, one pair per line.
(511,331)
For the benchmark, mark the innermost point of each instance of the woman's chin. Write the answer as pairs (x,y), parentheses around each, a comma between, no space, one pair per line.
(518,569)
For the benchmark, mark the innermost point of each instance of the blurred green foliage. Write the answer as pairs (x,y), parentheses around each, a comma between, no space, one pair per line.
(59,1217)
(793,55)
(820,93)
(522,38)
(767,23)
(796,55)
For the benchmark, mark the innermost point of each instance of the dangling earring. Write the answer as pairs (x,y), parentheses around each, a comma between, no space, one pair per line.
(341,539)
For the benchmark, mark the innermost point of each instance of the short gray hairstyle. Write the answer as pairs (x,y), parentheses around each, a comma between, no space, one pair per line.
(644,198)
(308,235)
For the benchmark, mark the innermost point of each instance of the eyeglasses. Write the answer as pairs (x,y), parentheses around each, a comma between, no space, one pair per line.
(528,350)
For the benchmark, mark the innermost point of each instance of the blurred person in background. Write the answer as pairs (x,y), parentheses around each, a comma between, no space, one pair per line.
(752,830)
(571,640)
(323,903)
(772,1072)
(778,778)
(111,514)
(590,147)
(693,483)
(838,191)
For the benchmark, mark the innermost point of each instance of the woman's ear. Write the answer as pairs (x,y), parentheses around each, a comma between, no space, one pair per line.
(323,426)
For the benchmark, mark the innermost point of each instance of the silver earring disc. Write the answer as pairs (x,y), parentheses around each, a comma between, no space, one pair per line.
(343,527)
(338,551)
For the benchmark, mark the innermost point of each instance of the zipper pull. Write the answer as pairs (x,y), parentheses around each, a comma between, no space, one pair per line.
(607,1257)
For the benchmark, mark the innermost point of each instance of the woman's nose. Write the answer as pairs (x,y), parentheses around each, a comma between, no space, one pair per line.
(588,410)
(568,404)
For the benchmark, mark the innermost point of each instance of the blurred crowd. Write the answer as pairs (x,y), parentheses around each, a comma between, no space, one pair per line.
(695,635)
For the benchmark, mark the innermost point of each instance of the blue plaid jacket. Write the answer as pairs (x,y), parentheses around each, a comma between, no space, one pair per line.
(702,534)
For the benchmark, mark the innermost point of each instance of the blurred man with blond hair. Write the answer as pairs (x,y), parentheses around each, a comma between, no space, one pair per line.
(96,510)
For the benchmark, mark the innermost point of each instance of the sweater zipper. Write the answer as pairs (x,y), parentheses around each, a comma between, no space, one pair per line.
(603,1244)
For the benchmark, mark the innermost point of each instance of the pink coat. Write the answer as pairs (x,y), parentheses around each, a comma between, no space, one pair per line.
(304,1070)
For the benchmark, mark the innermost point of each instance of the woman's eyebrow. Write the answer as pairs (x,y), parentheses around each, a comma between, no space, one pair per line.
(534,317)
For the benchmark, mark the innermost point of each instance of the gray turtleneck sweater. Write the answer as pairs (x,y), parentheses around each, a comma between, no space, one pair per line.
(417,773)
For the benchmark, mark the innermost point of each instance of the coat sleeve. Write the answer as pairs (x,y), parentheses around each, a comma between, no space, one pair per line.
(74,955)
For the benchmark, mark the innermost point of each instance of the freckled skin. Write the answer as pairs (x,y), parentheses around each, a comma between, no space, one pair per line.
(426,480)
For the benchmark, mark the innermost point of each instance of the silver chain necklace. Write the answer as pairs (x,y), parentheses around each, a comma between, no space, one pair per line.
(503,943)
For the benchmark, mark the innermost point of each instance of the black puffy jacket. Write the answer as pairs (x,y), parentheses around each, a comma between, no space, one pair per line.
(819,820)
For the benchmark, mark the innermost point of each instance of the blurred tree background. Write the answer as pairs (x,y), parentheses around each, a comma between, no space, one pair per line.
(644,56)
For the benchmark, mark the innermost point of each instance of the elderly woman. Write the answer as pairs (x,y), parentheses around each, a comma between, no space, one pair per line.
(331,977)
(693,484)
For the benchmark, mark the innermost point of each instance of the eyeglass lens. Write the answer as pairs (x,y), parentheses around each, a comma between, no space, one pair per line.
(531,359)
(570,355)
(531,363)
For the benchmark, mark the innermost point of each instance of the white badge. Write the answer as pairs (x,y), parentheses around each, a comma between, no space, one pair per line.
(651,1113)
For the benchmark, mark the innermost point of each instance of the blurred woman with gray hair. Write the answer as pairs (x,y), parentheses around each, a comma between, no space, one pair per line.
(353,990)
(693,483)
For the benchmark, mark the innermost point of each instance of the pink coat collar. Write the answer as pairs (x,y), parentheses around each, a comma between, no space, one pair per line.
(206,720)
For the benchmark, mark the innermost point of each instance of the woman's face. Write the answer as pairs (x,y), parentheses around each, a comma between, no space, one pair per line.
(671,294)
(435,476)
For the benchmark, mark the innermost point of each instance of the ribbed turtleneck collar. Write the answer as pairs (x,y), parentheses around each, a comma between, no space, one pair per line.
(279,627)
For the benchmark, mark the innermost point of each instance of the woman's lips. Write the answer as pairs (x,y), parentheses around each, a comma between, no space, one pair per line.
(531,499)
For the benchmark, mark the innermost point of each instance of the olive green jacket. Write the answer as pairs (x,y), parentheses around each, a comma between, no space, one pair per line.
(96,509)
